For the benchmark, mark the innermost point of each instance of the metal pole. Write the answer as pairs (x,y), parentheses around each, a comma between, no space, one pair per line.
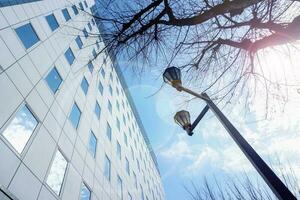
(275,184)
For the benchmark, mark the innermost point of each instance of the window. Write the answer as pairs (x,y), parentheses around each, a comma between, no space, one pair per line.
(75,10)
(27,35)
(93,144)
(85,33)
(127,167)
(118,150)
(110,90)
(85,4)
(69,56)
(52,22)
(57,172)
(132,153)
(75,115)
(108,131)
(81,6)
(94,54)
(109,107)
(102,72)
(107,166)
(85,193)
(117,89)
(111,77)
(118,124)
(79,42)
(118,105)
(100,87)
(142,193)
(20,129)
(66,14)
(53,80)
(138,164)
(89,25)
(120,188)
(91,66)
(97,110)
(84,85)
(93,21)
(125,139)
(97,44)
(135,180)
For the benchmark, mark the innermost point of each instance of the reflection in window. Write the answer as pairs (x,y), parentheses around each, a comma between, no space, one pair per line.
(100,87)
(108,131)
(93,144)
(66,14)
(75,116)
(97,110)
(127,167)
(85,193)
(91,66)
(18,132)
(84,85)
(85,33)
(69,56)
(120,188)
(57,172)
(53,80)
(107,166)
(75,10)
(79,42)
(52,22)
(109,107)
(27,35)
(118,150)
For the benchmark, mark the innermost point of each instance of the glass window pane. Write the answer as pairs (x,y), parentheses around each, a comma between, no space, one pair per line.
(100,87)
(91,66)
(52,22)
(75,10)
(102,72)
(109,107)
(94,53)
(57,172)
(27,35)
(75,116)
(85,4)
(79,42)
(81,6)
(110,90)
(119,150)
(85,193)
(107,167)
(120,188)
(127,167)
(118,124)
(84,85)
(66,14)
(85,33)
(108,131)
(69,56)
(97,110)
(93,144)
(89,25)
(53,80)
(19,130)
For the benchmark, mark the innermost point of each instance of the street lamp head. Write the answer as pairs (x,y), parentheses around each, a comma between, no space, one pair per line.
(172,76)
(183,119)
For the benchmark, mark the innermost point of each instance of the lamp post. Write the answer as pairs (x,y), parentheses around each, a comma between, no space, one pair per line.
(172,76)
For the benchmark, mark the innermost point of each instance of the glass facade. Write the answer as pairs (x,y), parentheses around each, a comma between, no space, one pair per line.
(57,172)
(53,80)
(52,22)
(20,129)
(27,35)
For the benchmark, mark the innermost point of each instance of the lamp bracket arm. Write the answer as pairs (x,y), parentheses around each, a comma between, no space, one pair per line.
(201,115)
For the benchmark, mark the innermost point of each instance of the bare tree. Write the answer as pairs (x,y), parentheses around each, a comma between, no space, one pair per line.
(216,41)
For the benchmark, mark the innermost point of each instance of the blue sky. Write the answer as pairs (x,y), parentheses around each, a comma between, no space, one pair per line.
(211,152)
